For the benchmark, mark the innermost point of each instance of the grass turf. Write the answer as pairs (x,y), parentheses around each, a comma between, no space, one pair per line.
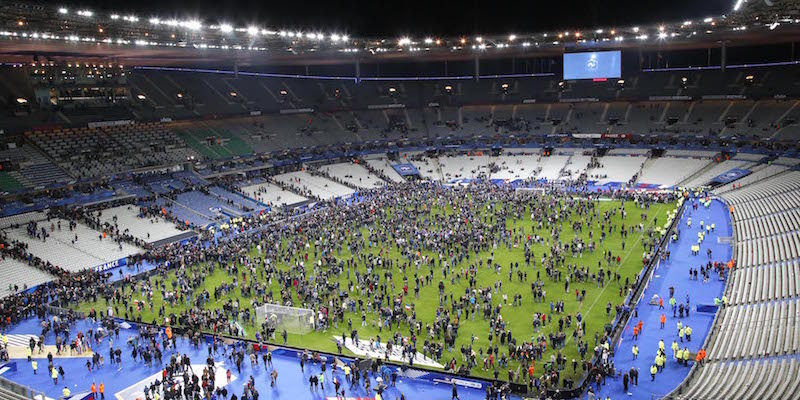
(518,318)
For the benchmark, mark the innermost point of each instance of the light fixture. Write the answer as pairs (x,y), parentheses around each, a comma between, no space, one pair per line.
(392,90)
(63,10)
(141,96)
(233,94)
(227,28)
(22,100)
(180,95)
(252,30)
(511,38)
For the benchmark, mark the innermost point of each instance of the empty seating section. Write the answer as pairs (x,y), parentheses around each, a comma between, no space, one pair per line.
(428,168)
(17,273)
(577,165)
(464,167)
(705,177)
(762,329)
(89,152)
(149,229)
(512,166)
(762,318)
(236,200)
(317,186)
(384,166)
(759,174)
(61,248)
(669,171)
(272,194)
(550,167)
(215,141)
(758,379)
(353,174)
(616,168)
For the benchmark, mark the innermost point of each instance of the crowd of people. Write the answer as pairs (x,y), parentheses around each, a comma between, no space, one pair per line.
(368,260)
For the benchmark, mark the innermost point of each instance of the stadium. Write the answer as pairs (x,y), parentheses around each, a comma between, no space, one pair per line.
(197,208)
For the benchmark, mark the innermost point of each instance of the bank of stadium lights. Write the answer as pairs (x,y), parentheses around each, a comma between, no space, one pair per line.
(63,10)
(226,28)
(662,35)
(85,13)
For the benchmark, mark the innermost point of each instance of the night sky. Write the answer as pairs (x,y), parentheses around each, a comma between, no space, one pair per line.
(421,18)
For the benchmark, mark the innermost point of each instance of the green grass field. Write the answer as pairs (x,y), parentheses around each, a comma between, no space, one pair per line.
(518,318)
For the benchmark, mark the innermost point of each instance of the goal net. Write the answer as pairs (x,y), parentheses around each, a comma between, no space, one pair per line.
(276,318)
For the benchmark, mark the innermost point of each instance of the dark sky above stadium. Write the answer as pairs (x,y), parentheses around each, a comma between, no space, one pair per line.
(424,17)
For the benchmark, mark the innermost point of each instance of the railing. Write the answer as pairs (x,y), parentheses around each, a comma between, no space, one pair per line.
(12,390)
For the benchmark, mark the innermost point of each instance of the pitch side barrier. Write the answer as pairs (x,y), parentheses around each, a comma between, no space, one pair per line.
(621,321)
(402,369)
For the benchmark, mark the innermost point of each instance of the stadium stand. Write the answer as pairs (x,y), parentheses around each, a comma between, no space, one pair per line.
(315,186)
(762,321)
(384,168)
(19,276)
(516,165)
(130,220)
(662,171)
(353,175)
(463,167)
(613,168)
(703,178)
(74,247)
(271,194)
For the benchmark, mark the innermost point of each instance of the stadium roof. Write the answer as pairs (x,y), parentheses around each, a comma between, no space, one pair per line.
(56,31)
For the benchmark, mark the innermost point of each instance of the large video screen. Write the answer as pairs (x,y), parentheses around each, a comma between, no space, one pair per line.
(592,65)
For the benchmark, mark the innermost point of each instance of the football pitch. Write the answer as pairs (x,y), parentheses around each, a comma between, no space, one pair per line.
(437,218)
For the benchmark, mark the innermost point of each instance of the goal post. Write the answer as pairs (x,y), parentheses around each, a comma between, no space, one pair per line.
(279,318)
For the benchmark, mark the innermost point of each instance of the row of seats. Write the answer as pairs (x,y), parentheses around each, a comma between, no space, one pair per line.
(669,171)
(770,249)
(759,174)
(272,194)
(151,229)
(770,224)
(20,274)
(317,186)
(774,281)
(762,318)
(757,330)
(353,174)
(718,169)
(384,166)
(745,380)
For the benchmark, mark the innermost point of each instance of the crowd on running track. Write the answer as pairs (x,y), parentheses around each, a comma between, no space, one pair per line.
(405,223)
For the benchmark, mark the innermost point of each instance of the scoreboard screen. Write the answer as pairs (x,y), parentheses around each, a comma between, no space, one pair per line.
(593,65)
